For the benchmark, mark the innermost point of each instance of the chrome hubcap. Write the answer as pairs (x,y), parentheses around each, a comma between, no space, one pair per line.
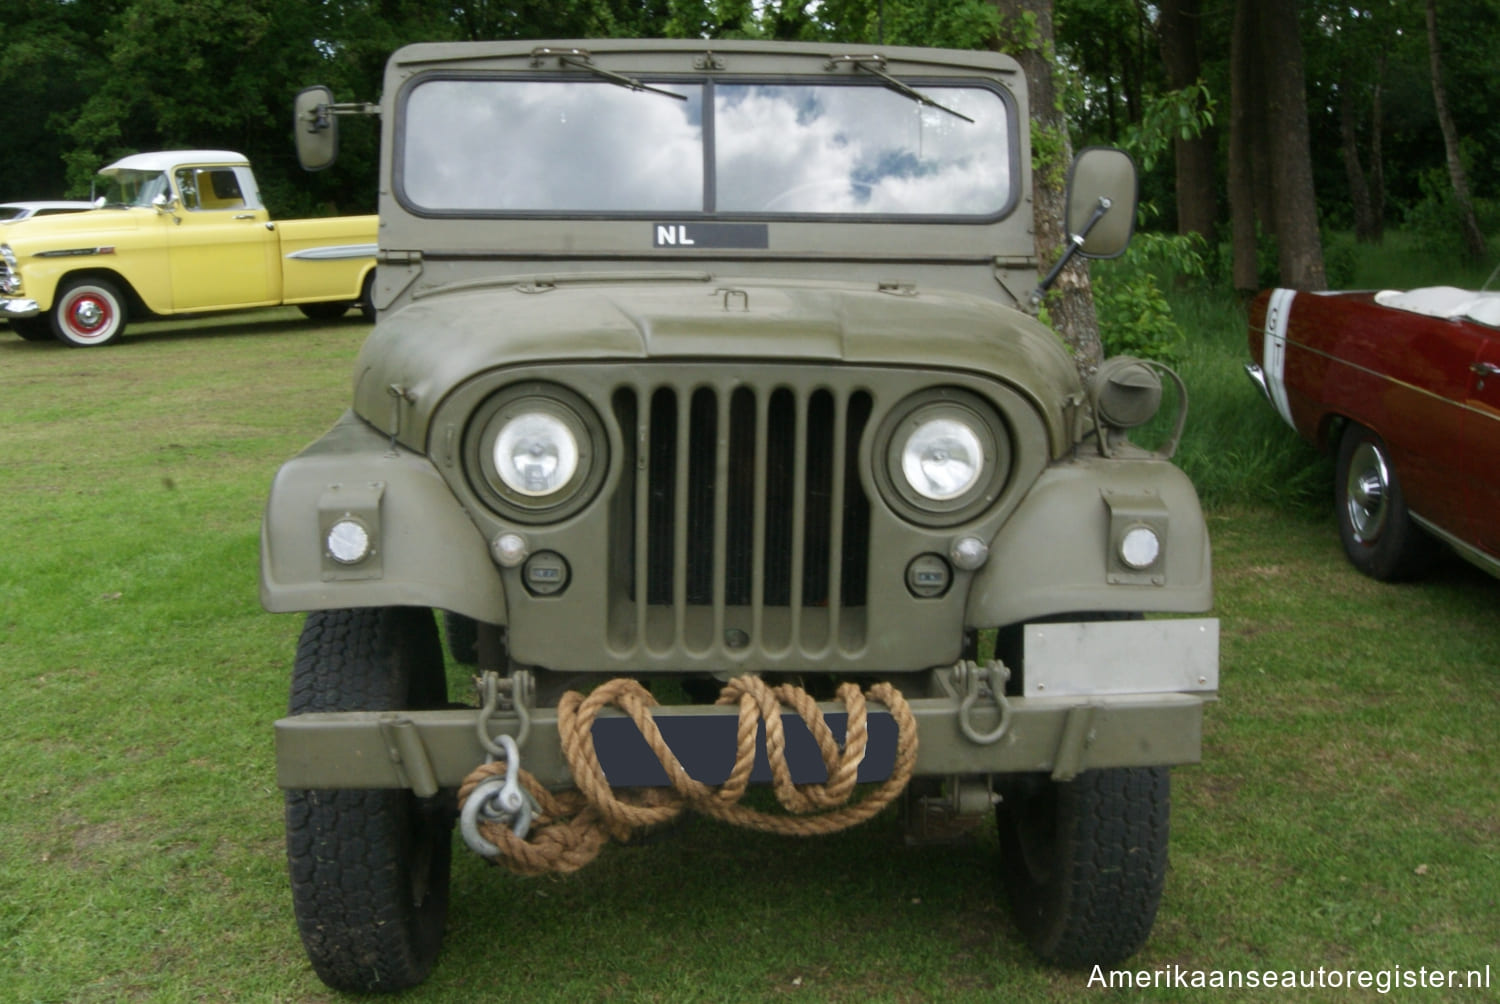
(1366,492)
(88,314)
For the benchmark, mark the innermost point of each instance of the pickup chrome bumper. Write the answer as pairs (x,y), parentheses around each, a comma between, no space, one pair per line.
(19,308)
(1086,703)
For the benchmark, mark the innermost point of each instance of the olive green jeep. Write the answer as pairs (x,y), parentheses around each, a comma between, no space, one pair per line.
(706,383)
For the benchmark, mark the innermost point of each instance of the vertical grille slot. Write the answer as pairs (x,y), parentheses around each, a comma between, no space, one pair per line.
(741,519)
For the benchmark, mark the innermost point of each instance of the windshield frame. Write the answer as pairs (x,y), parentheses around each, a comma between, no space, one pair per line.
(708,84)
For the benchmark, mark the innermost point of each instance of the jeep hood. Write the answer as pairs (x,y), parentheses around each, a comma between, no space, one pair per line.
(435,343)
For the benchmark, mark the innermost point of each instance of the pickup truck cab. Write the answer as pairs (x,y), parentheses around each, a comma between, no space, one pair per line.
(176,232)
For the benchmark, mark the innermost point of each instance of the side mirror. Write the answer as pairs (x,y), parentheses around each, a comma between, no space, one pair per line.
(1101,201)
(162,203)
(315,128)
(1100,213)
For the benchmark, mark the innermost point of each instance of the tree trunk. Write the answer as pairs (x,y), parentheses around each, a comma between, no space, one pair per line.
(1197,200)
(1242,142)
(1070,304)
(1359,187)
(1299,246)
(1473,239)
(1377,151)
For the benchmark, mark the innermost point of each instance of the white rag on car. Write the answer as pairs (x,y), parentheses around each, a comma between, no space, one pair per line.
(1445,301)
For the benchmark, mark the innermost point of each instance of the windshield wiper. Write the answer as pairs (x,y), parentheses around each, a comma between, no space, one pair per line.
(581,59)
(872,65)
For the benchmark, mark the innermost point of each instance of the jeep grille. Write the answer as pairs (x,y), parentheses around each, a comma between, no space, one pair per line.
(741,516)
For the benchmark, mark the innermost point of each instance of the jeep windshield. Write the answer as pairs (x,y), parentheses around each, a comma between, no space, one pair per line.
(503,146)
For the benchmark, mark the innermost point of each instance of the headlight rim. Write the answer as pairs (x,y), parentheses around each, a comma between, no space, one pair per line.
(495,412)
(970,409)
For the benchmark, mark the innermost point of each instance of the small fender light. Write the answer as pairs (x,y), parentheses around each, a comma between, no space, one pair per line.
(348,542)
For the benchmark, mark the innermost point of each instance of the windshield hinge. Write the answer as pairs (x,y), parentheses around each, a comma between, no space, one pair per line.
(874,64)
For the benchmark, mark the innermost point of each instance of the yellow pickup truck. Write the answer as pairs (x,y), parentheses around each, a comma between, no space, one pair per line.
(176,232)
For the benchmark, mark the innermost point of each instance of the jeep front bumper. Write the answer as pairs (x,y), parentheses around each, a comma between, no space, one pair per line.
(1097,694)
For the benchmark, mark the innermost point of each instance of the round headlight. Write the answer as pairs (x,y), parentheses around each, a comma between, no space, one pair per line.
(946,456)
(942,459)
(536,454)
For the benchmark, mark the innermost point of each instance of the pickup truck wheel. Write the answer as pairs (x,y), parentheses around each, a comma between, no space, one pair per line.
(323,311)
(366,301)
(33,329)
(1083,862)
(88,312)
(1379,535)
(369,868)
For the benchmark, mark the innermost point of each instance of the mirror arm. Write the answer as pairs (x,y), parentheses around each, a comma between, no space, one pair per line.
(320,117)
(1075,244)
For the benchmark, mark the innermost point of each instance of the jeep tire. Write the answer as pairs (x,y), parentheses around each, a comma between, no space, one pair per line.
(369,868)
(1083,862)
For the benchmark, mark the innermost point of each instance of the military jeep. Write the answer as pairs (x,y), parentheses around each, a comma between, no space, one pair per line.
(706,367)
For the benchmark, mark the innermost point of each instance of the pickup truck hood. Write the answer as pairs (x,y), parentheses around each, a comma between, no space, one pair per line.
(69,231)
(437,342)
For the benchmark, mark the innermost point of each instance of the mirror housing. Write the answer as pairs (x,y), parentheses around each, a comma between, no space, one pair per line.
(1101,178)
(315,128)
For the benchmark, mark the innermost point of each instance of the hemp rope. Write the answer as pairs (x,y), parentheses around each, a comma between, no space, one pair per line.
(571,827)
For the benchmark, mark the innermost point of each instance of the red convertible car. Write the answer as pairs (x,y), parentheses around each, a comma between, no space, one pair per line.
(1405,388)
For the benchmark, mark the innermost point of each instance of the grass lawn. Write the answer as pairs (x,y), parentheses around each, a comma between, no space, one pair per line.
(1346,815)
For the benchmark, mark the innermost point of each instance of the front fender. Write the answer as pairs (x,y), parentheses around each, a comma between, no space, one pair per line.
(425,551)
(1058,553)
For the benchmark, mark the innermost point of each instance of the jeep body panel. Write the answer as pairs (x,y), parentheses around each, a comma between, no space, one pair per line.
(707,384)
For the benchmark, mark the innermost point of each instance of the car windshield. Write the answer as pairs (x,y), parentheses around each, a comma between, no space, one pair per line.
(501,146)
(124,187)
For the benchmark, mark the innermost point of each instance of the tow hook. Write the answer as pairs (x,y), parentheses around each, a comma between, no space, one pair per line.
(500,799)
(986,682)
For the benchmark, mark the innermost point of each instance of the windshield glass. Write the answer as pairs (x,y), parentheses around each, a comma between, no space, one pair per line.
(506,146)
(130,188)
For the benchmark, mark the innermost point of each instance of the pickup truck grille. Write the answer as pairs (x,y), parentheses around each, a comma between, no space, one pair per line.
(741,515)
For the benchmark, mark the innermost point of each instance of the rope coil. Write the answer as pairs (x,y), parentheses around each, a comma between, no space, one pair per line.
(570,828)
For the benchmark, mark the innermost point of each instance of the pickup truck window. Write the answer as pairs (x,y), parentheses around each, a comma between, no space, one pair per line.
(747,149)
(210,188)
(125,187)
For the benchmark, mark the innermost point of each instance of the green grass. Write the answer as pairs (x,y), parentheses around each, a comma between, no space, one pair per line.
(1345,814)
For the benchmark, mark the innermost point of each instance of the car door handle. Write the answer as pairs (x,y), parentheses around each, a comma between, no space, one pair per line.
(245,216)
(1485,369)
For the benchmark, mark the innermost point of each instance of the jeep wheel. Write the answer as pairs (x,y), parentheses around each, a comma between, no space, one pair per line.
(369,868)
(88,312)
(1379,535)
(1083,862)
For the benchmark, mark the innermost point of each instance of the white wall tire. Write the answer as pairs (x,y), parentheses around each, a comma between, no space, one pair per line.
(88,313)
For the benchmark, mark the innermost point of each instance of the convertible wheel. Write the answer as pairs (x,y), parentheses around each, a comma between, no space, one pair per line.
(88,312)
(1083,862)
(1379,535)
(369,868)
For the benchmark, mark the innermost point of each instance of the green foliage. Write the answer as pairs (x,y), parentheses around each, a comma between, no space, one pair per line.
(1135,315)
(1436,220)
(1181,114)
